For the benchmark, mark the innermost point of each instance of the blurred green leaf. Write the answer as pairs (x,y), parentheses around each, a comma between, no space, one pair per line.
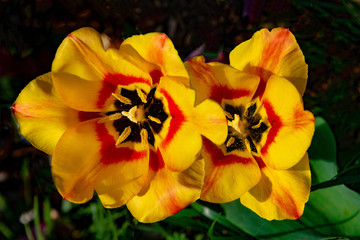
(330,212)
(5,230)
(47,216)
(37,222)
(212,215)
(211,229)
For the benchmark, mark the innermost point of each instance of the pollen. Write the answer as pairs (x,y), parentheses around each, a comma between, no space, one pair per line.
(228,115)
(141,95)
(112,117)
(123,136)
(257,125)
(121,98)
(230,142)
(154,119)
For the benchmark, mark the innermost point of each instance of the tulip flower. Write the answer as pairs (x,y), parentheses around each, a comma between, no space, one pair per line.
(121,122)
(263,160)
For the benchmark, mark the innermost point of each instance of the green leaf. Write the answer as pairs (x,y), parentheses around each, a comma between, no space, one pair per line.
(336,208)
(330,212)
(322,153)
(258,227)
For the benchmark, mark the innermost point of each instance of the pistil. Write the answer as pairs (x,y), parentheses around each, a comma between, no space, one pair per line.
(237,124)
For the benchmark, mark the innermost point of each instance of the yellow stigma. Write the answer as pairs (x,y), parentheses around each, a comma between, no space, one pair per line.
(135,114)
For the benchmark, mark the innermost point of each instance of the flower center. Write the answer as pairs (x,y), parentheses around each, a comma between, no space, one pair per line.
(245,127)
(135,114)
(138,116)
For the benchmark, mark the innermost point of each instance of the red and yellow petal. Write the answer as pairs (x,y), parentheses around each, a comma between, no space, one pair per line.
(210,119)
(179,140)
(280,194)
(42,115)
(219,81)
(168,192)
(87,159)
(272,53)
(85,73)
(291,127)
(158,49)
(227,175)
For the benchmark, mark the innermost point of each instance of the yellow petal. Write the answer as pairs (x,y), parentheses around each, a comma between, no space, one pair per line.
(219,81)
(291,127)
(180,138)
(42,115)
(157,48)
(209,118)
(268,53)
(85,73)
(280,194)
(87,159)
(168,192)
(227,175)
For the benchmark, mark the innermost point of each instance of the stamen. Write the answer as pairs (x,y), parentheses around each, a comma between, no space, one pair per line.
(131,114)
(154,119)
(257,125)
(141,95)
(230,142)
(115,116)
(123,136)
(112,117)
(247,144)
(144,137)
(121,98)
(250,110)
(228,115)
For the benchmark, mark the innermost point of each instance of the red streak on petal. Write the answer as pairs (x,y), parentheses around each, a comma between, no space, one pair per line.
(174,204)
(218,93)
(302,118)
(110,154)
(83,116)
(219,158)
(261,88)
(105,93)
(271,56)
(110,83)
(273,51)
(156,161)
(275,123)
(287,203)
(162,40)
(156,75)
(177,118)
(259,161)
(124,80)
